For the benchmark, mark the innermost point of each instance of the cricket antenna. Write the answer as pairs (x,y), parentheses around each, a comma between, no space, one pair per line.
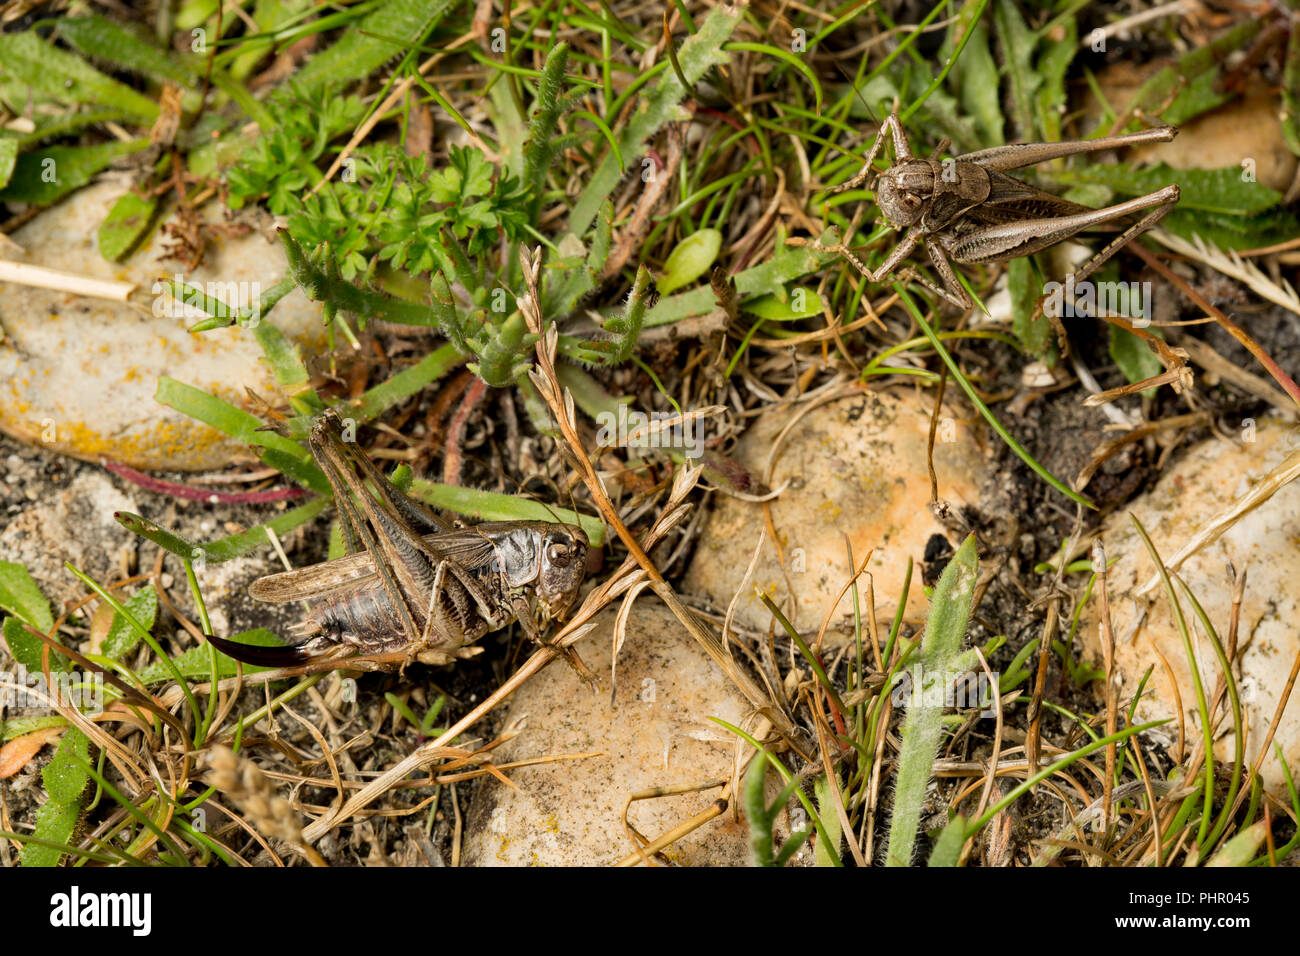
(866,171)
(856,92)
(532,497)
(573,505)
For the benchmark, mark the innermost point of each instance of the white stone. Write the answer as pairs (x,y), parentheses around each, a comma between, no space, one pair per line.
(656,733)
(83,371)
(855,467)
(1203,483)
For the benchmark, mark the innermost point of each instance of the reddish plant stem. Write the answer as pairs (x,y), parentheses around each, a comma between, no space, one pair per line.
(1282,378)
(149,483)
(453,457)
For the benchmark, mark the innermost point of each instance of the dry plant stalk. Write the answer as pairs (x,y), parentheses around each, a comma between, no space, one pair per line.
(560,401)
(636,572)
(1267,486)
(270,814)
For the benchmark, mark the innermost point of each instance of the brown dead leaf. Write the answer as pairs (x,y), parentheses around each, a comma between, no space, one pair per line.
(16,754)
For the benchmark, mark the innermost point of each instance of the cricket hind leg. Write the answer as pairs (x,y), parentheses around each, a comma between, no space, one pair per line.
(326,442)
(1096,262)
(1170,198)
(412,520)
(342,460)
(1012,240)
(1031,154)
(421,520)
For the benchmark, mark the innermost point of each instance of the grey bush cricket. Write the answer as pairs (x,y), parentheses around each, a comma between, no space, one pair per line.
(969,210)
(412,587)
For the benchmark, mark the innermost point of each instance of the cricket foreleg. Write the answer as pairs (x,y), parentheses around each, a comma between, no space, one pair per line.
(952,292)
(902,150)
(524,615)
(905,248)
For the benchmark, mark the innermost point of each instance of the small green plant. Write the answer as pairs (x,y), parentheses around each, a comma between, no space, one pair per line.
(423,725)
(390,221)
(149,830)
(762,818)
(941,660)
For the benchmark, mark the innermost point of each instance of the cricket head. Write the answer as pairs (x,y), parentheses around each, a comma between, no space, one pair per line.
(563,567)
(903,190)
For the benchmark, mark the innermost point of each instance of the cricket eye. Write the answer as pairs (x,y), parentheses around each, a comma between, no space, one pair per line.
(558,555)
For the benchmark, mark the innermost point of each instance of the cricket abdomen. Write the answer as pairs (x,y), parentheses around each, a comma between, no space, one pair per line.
(361,617)
(366,619)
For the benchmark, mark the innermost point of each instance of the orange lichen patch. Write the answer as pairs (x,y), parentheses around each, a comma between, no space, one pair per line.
(91,369)
(176,441)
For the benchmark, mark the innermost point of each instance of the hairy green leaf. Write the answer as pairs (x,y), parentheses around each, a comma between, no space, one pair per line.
(700,52)
(122,637)
(941,662)
(392,29)
(46,175)
(66,77)
(125,224)
(109,40)
(20,596)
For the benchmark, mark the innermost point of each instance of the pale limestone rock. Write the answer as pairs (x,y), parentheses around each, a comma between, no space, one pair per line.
(1203,483)
(657,733)
(78,375)
(855,467)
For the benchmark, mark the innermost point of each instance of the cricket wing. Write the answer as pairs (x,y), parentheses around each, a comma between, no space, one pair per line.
(466,547)
(1011,200)
(316,580)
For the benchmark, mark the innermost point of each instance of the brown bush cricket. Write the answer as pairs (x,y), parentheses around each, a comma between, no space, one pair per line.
(412,587)
(967,209)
